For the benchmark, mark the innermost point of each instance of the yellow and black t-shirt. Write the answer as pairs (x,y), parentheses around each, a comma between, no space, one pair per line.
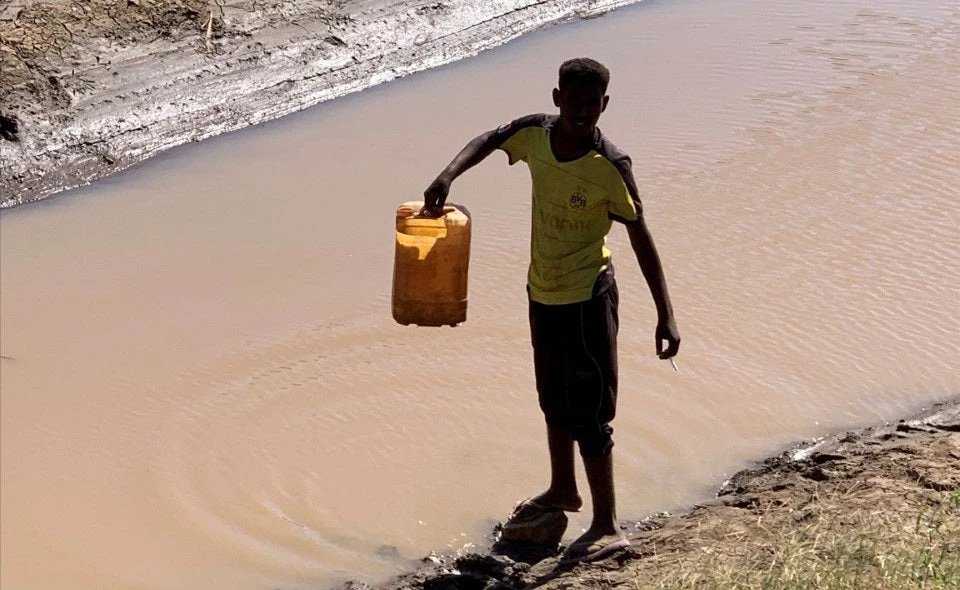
(574,204)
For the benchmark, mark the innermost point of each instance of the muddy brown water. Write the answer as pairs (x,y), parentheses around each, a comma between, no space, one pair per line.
(202,386)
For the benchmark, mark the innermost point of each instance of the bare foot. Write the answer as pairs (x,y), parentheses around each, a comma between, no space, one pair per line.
(538,506)
(568,502)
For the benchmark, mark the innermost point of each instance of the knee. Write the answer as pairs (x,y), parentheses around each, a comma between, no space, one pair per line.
(595,442)
(556,411)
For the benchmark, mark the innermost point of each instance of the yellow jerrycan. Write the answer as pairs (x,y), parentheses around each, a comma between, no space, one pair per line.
(430,266)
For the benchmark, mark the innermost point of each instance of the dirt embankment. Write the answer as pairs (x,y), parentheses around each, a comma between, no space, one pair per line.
(844,509)
(89,88)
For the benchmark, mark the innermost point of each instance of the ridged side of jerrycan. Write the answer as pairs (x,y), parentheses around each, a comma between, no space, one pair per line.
(430,266)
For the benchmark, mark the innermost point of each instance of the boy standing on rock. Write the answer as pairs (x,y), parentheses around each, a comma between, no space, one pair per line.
(581,183)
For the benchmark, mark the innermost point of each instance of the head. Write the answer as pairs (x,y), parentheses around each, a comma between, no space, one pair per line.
(581,94)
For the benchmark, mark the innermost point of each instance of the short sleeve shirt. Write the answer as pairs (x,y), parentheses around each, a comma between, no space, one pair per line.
(574,204)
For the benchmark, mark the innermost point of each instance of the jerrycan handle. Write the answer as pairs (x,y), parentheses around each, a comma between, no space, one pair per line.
(410,222)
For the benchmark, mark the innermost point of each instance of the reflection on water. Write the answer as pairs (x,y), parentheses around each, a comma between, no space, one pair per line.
(202,386)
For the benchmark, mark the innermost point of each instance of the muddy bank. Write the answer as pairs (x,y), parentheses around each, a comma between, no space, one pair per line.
(888,471)
(88,89)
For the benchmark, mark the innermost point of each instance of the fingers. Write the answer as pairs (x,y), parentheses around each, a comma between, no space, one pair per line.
(433,212)
(667,332)
(673,346)
(431,204)
(434,198)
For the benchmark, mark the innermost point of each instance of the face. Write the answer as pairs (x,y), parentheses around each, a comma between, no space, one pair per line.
(580,107)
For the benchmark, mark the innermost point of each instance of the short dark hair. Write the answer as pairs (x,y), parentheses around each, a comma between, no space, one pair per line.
(584,70)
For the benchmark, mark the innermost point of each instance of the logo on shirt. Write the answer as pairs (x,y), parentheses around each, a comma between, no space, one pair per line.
(578,200)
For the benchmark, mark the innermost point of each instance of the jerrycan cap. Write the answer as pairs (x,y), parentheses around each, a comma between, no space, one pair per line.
(404,211)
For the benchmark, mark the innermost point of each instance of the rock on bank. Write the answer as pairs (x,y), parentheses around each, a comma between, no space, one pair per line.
(88,89)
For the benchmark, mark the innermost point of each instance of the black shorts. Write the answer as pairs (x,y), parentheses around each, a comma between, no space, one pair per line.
(575,361)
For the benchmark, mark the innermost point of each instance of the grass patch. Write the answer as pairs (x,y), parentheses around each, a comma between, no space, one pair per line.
(833,542)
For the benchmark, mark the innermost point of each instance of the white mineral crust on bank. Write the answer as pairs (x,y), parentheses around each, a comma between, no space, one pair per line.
(120,103)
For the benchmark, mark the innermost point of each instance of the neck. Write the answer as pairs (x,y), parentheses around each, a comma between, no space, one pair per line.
(567,145)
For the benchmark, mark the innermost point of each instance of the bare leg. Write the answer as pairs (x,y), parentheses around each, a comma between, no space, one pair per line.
(604,529)
(562,492)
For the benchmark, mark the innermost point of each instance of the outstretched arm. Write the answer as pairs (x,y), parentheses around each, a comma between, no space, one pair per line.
(652,270)
(436,194)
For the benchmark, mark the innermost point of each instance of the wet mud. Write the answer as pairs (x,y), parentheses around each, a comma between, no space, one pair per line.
(90,88)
